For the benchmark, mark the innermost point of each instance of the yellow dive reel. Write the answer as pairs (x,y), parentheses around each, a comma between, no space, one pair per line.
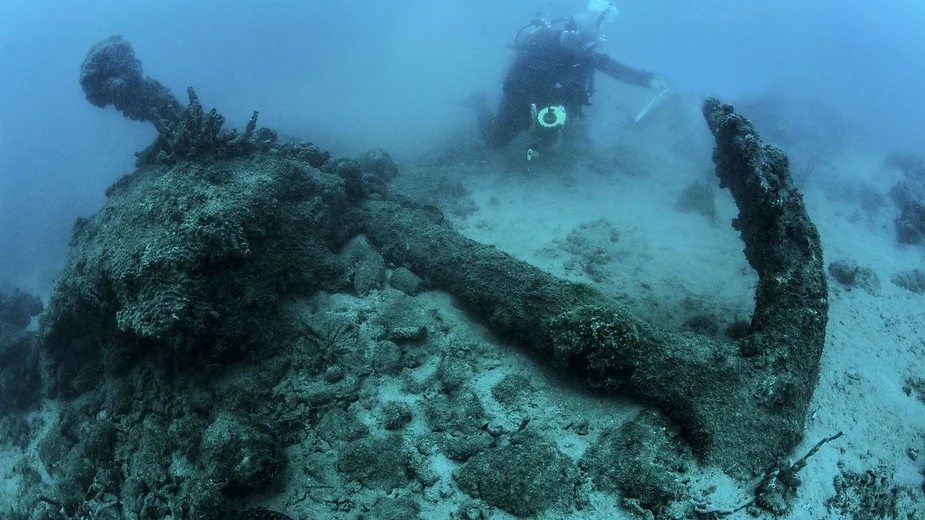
(550,119)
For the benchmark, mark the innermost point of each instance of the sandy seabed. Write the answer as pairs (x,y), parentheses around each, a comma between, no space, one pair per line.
(617,226)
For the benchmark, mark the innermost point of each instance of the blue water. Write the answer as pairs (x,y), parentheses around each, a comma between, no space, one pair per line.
(352,75)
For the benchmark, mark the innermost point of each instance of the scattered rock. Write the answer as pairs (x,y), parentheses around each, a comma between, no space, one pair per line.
(405,281)
(910,224)
(912,166)
(911,280)
(642,459)
(512,389)
(457,422)
(395,415)
(379,463)
(915,386)
(79,450)
(738,329)
(870,199)
(239,454)
(338,424)
(20,375)
(873,495)
(259,513)
(20,378)
(406,334)
(379,163)
(524,478)
(400,508)
(18,308)
(703,324)
(367,266)
(698,197)
(453,373)
(909,195)
(387,358)
(849,274)
(592,246)
(355,186)
(845,272)
(906,191)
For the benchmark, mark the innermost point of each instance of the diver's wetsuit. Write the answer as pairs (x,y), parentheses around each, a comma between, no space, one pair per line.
(546,74)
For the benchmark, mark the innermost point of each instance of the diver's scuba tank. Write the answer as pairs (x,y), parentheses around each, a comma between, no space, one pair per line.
(537,25)
(540,23)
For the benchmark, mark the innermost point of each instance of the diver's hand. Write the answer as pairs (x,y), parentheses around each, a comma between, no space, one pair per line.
(658,84)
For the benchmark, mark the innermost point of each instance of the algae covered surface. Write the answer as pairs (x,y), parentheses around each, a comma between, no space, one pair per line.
(252,328)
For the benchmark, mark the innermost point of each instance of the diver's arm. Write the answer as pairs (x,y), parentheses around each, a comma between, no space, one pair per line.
(623,73)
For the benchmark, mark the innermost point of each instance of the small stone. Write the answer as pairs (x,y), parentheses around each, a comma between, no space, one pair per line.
(379,163)
(406,281)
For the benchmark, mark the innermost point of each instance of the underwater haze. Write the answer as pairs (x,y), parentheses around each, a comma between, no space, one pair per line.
(352,75)
(463,265)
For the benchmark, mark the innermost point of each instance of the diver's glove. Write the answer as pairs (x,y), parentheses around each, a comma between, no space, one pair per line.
(658,84)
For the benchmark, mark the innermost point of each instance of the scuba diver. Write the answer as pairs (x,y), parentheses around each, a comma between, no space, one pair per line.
(551,78)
